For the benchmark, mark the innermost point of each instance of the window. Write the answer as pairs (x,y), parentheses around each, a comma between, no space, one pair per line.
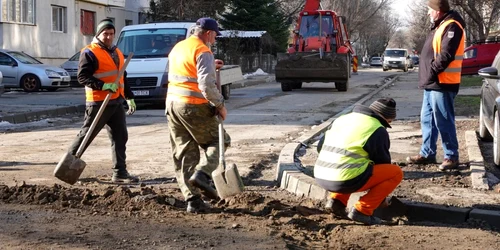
(20,11)
(5,60)
(469,54)
(128,22)
(87,23)
(58,18)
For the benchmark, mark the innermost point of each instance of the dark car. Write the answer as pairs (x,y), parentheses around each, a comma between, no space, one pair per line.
(489,114)
(415,60)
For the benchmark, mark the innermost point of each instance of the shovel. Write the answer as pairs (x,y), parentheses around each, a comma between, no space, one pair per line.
(227,180)
(70,167)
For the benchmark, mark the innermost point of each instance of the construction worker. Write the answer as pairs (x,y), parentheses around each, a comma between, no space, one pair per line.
(439,71)
(99,66)
(194,106)
(354,157)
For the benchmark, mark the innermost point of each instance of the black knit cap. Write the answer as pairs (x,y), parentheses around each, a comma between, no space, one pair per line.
(104,24)
(439,5)
(385,106)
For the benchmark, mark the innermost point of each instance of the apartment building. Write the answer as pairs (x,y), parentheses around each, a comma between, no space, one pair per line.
(54,30)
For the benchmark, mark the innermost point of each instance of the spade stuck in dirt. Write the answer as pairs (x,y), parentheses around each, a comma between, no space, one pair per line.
(227,180)
(70,167)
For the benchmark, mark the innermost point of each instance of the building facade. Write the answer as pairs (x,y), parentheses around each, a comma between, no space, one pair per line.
(54,30)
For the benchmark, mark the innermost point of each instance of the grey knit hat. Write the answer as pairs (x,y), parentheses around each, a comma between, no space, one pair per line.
(439,5)
(104,24)
(385,106)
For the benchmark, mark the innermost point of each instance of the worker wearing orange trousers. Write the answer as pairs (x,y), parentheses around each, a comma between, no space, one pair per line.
(354,157)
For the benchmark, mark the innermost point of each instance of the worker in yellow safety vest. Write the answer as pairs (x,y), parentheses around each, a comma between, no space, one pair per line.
(354,157)
(194,106)
(439,76)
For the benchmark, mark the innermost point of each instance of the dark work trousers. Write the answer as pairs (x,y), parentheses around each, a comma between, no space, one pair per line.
(114,119)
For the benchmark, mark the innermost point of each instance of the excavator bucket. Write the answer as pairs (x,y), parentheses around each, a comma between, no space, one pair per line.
(294,68)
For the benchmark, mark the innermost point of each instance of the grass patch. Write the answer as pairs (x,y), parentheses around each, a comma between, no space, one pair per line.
(471,81)
(467,105)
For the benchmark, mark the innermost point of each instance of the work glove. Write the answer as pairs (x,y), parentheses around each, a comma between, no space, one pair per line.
(131,106)
(110,87)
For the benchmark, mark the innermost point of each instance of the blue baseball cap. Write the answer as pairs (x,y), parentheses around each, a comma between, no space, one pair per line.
(208,24)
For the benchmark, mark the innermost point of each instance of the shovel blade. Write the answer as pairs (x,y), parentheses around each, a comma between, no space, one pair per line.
(69,168)
(228,182)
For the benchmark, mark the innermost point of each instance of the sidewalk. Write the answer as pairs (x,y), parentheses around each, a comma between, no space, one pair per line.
(290,170)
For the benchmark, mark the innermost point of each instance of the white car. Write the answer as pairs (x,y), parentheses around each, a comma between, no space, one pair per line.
(21,70)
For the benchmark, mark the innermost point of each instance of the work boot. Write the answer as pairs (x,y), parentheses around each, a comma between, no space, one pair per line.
(419,159)
(356,215)
(124,177)
(336,207)
(448,165)
(202,181)
(196,205)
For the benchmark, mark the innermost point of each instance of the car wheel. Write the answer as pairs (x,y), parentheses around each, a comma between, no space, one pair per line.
(342,86)
(30,83)
(496,148)
(286,86)
(484,134)
(296,85)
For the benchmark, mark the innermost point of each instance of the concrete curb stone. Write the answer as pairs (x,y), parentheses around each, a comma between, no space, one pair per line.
(290,177)
(42,114)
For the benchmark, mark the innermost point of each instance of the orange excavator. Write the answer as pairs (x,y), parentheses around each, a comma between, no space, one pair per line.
(320,50)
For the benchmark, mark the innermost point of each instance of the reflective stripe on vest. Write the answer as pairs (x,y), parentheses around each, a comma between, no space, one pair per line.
(182,72)
(342,156)
(107,72)
(452,74)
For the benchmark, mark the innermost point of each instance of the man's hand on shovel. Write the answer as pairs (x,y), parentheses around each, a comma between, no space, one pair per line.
(112,87)
(222,112)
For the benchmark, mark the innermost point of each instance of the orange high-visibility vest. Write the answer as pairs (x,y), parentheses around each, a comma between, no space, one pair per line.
(107,72)
(182,72)
(451,75)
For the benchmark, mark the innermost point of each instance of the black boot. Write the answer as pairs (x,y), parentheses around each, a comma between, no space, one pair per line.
(124,177)
(196,205)
(202,181)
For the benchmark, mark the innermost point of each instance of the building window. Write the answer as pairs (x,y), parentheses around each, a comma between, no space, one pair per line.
(128,22)
(58,18)
(87,23)
(20,11)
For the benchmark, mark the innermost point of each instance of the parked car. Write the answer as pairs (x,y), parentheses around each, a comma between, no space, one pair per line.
(2,89)
(479,55)
(376,61)
(489,114)
(415,60)
(71,65)
(396,58)
(21,70)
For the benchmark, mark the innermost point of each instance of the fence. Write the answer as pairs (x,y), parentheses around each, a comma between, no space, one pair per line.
(250,63)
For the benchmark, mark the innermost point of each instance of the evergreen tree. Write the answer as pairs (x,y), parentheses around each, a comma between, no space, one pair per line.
(258,15)
(183,10)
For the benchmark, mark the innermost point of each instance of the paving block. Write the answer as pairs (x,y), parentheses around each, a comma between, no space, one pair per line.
(317,192)
(436,213)
(9,119)
(472,145)
(478,176)
(61,111)
(81,108)
(71,110)
(43,114)
(52,113)
(286,160)
(293,182)
(303,187)
(491,217)
(31,116)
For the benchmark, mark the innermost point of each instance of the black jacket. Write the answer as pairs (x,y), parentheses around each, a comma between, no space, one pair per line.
(89,63)
(430,68)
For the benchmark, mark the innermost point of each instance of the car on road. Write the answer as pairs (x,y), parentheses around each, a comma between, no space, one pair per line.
(21,70)
(71,65)
(489,114)
(415,60)
(396,58)
(479,55)
(376,61)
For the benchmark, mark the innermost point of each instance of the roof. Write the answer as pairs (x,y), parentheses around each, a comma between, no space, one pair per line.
(159,25)
(241,33)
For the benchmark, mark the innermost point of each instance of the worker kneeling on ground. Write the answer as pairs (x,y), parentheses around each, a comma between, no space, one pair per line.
(354,157)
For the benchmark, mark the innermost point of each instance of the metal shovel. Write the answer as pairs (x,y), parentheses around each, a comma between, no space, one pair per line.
(227,180)
(70,167)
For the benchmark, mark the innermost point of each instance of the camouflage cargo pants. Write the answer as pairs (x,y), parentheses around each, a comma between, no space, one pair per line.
(193,126)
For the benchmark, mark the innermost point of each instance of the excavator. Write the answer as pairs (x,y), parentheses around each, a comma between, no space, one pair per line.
(319,50)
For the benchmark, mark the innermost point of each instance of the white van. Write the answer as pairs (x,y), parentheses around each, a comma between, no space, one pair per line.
(147,72)
(396,59)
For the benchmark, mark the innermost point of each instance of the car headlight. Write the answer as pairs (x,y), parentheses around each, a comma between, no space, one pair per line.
(51,73)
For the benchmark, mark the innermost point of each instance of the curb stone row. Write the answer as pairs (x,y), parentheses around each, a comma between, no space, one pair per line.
(292,179)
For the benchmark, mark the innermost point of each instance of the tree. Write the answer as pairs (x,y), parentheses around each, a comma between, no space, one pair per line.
(419,24)
(257,15)
(183,10)
(482,13)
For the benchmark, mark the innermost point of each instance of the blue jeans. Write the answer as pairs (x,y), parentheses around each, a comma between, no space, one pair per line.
(438,117)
